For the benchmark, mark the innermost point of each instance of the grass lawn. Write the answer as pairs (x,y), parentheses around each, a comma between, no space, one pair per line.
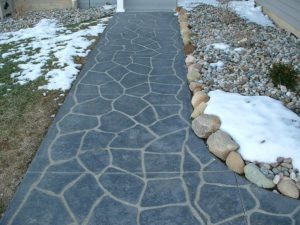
(26,112)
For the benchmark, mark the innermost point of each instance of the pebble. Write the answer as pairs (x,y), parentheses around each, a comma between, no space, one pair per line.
(276,179)
(287,165)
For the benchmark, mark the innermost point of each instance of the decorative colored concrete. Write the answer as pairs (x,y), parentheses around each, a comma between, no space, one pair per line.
(121,151)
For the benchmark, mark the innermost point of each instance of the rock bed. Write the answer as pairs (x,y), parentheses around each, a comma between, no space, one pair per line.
(66,17)
(243,65)
(280,176)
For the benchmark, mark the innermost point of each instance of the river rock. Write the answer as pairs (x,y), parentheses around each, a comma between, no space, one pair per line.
(195,85)
(193,75)
(182,17)
(199,110)
(204,125)
(287,165)
(288,187)
(235,162)
(186,39)
(198,98)
(185,31)
(189,60)
(221,144)
(254,175)
(276,179)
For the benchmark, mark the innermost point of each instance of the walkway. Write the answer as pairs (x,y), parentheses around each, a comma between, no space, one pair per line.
(121,151)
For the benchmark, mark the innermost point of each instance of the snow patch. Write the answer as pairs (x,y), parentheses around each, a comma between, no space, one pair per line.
(247,10)
(262,126)
(50,42)
(218,65)
(221,46)
(108,7)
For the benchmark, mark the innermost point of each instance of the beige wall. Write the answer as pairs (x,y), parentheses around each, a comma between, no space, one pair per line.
(285,13)
(44,4)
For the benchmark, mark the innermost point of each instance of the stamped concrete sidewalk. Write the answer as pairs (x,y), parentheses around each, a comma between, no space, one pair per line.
(121,151)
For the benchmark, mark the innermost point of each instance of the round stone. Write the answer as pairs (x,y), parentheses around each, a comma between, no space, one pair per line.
(199,110)
(221,144)
(288,188)
(204,125)
(193,75)
(190,59)
(198,98)
(235,162)
(254,175)
(195,85)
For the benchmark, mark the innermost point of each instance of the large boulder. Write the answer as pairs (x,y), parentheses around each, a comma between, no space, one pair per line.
(235,162)
(198,98)
(221,144)
(288,187)
(204,125)
(254,175)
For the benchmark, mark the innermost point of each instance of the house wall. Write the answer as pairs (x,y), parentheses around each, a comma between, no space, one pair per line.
(60,4)
(85,4)
(43,4)
(285,13)
(149,5)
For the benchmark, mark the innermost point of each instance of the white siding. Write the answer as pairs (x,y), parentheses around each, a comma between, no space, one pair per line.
(287,10)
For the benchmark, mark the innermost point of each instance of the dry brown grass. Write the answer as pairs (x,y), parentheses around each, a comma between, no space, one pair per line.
(20,141)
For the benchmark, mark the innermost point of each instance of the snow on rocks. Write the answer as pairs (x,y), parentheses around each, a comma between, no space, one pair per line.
(236,57)
(252,123)
(248,10)
(208,122)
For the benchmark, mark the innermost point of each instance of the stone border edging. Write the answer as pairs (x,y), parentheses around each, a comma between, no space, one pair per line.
(276,176)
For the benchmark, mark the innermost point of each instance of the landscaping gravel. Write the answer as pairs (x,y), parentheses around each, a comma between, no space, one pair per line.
(243,65)
(65,16)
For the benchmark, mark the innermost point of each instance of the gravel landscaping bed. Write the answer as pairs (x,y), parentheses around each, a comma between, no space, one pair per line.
(67,17)
(236,56)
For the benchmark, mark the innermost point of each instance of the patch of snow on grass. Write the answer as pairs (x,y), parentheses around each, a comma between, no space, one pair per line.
(262,126)
(190,4)
(49,44)
(247,10)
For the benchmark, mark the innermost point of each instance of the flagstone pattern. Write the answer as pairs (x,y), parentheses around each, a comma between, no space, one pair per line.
(121,150)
